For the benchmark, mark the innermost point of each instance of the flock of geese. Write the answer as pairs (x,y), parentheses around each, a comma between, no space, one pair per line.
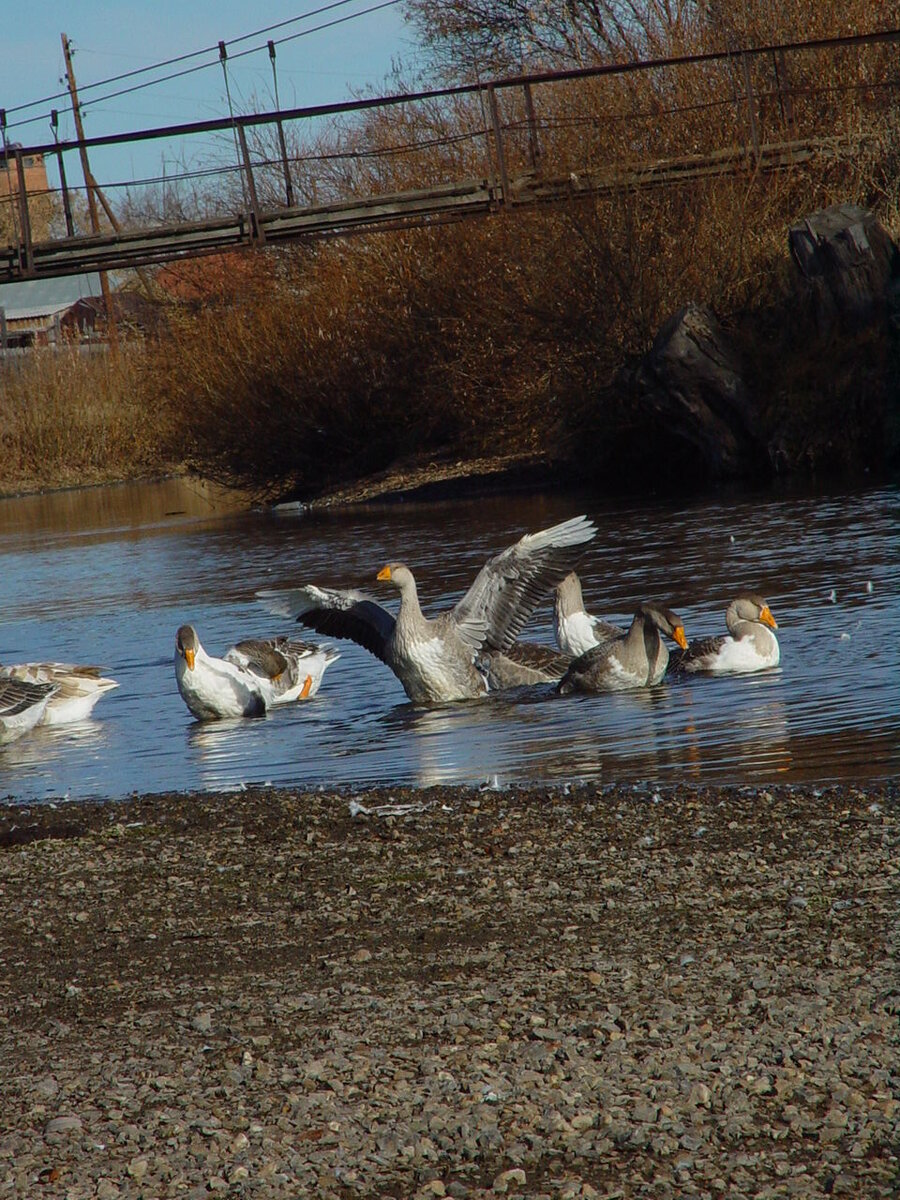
(464,653)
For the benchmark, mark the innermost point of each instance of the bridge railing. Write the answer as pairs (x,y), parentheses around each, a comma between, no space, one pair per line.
(445,153)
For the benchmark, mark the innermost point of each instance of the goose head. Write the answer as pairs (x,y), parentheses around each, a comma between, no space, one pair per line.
(665,621)
(751,607)
(569,598)
(187,644)
(398,574)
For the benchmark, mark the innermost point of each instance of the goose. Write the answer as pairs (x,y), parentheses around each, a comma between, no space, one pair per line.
(637,658)
(576,630)
(748,645)
(22,704)
(253,676)
(523,663)
(435,660)
(78,688)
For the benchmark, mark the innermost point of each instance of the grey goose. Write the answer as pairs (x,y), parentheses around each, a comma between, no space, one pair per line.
(637,658)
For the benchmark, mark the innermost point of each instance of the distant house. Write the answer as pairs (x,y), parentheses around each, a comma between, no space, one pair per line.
(45,312)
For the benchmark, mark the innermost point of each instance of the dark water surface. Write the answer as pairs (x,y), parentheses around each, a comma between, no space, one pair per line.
(108,575)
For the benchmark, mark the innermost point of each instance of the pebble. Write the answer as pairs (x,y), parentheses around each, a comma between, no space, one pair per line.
(572,1020)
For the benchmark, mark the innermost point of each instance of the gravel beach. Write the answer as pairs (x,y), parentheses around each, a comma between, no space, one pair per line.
(570,992)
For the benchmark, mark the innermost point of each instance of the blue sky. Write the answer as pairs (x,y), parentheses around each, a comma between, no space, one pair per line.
(111,38)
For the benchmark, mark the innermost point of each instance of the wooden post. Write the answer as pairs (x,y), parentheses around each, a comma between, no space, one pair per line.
(89,183)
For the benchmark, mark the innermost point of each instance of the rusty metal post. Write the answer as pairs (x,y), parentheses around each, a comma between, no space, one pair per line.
(534,146)
(26,253)
(498,142)
(782,83)
(288,186)
(259,235)
(751,106)
(67,207)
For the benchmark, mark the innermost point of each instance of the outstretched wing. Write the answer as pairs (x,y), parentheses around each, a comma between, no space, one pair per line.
(336,613)
(509,587)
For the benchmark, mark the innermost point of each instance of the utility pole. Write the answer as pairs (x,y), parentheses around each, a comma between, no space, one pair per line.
(90,185)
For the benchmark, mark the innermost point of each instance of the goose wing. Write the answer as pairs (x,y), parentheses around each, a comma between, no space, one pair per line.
(18,695)
(71,680)
(605,631)
(266,657)
(509,587)
(697,651)
(336,612)
(539,658)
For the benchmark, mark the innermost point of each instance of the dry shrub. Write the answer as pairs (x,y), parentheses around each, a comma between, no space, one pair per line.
(67,418)
(505,335)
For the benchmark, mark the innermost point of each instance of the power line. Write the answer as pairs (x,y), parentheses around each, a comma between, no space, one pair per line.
(195,54)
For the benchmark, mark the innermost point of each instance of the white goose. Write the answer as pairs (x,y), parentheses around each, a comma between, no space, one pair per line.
(435,660)
(76,688)
(749,645)
(253,676)
(22,704)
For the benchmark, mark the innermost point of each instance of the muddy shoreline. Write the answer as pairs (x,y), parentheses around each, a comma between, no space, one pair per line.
(546,992)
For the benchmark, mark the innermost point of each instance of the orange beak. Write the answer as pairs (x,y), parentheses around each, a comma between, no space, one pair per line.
(384,573)
(679,637)
(189,659)
(766,617)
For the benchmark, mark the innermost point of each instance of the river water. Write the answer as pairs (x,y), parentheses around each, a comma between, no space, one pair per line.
(107,575)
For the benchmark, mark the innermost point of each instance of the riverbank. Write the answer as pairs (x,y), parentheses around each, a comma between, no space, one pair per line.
(563,992)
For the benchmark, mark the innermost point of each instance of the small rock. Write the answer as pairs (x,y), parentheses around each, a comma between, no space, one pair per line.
(361,956)
(202,1023)
(506,1179)
(138,1168)
(62,1127)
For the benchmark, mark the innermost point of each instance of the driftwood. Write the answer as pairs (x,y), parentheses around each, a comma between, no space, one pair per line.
(847,262)
(690,384)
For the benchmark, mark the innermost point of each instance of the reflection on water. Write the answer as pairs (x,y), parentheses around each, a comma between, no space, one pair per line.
(108,575)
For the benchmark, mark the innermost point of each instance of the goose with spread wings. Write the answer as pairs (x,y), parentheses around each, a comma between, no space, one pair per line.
(435,660)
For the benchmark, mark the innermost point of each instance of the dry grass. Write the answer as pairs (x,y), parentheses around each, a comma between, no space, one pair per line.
(68,418)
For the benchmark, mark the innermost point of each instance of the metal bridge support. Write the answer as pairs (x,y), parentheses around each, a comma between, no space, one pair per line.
(498,143)
(26,253)
(258,234)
